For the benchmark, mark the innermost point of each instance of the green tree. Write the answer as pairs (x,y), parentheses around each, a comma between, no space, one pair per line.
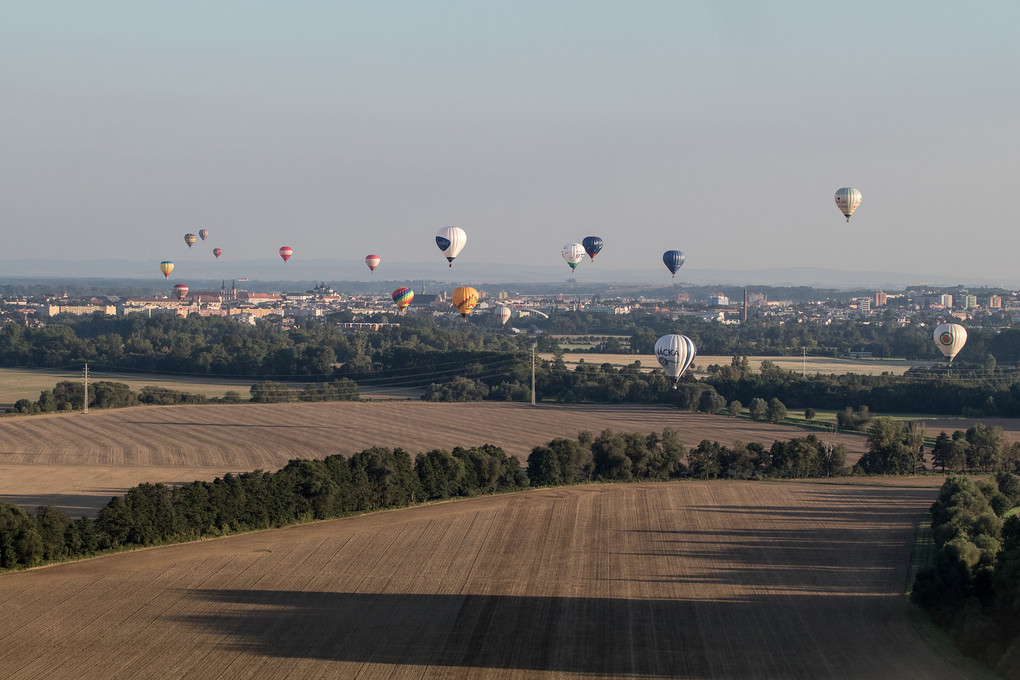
(758,409)
(775,412)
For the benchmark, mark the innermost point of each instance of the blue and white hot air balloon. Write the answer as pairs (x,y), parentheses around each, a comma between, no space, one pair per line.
(675,354)
(450,240)
(673,259)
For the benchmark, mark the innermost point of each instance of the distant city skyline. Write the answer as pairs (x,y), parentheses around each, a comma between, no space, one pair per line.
(343,129)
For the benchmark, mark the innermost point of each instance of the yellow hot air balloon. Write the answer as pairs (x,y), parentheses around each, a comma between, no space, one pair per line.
(464,299)
(166,266)
(190,239)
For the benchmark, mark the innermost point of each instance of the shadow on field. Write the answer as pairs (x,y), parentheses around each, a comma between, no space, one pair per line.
(76,505)
(601,637)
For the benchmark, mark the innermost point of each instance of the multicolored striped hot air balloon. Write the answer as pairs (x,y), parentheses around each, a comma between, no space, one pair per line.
(286,252)
(402,297)
(464,299)
(166,266)
(203,234)
(181,291)
(372,261)
(190,239)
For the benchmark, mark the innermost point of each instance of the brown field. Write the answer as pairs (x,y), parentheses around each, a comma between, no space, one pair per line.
(77,461)
(671,580)
(823,365)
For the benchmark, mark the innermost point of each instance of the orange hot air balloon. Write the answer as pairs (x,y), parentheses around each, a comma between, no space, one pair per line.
(166,266)
(181,291)
(372,261)
(190,239)
(464,299)
(203,234)
(286,252)
(217,252)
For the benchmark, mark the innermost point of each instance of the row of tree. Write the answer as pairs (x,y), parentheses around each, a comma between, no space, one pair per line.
(972,588)
(377,478)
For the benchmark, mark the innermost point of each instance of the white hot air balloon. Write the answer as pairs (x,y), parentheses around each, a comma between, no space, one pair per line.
(847,200)
(950,339)
(503,314)
(450,240)
(675,354)
(573,253)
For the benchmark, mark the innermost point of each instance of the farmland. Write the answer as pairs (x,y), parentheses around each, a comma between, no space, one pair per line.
(78,461)
(810,365)
(687,579)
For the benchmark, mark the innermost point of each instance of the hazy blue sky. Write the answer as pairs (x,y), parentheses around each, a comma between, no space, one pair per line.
(343,128)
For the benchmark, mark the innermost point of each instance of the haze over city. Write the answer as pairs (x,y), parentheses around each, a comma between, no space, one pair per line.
(342,129)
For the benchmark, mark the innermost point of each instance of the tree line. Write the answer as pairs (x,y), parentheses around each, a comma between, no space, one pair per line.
(972,587)
(379,478)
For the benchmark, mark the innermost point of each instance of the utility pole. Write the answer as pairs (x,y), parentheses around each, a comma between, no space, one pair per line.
(803,370)
(85,399)
(533,373)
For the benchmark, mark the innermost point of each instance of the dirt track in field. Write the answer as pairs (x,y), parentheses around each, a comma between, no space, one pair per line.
(672,580)
(78,461)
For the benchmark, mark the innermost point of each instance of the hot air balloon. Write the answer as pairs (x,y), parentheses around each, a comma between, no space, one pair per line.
(217,252)
(950,339)
(190,239)
(464,299)
(166,266)
(675,354)
(402,297)
(451,240)
(847,200)
(286,252)
(203,234)
(673,259)
(592,246)
(372,261)
(181,291)
(573,253)
(503,313)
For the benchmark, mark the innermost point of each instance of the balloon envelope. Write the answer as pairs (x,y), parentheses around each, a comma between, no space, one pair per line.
(847,200)
(402,297)
(203,234)
(464,299)
(592,245)
(217,252)
(286,252)
(451,240)
(166,266)
(673,259)
(573,253)
(950,339)
(504,314)
(190,239)
(675,354)
(181,291)
(372,261)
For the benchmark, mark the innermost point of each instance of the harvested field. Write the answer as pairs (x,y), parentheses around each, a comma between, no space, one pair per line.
(813,365)
(670,580)
(78,461)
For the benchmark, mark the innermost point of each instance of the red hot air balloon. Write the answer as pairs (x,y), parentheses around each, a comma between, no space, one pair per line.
(217,252)
(181,291)
(286,252)
(372,261)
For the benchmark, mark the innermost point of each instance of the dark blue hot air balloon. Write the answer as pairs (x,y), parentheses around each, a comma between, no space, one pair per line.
(673,259)
(592,245)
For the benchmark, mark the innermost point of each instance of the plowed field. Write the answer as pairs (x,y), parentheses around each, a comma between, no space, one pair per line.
(673,580)
(78,461)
